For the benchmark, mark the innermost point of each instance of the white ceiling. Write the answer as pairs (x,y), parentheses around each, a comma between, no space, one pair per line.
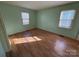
(37,5)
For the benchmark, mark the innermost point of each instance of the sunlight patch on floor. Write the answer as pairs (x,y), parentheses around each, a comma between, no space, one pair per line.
(26,40)
(38,39)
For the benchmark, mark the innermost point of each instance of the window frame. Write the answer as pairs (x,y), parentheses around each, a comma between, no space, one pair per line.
(23,19)
(71,21)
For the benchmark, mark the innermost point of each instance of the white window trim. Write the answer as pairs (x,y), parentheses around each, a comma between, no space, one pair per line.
(71,20)
(24,21)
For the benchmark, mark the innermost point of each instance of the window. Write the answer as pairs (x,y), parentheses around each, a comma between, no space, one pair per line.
(25,18)
(66,18)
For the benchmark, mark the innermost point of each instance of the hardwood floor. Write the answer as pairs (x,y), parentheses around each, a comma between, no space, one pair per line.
(40,43)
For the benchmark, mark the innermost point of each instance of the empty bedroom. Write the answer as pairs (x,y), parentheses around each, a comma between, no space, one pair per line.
(39,29)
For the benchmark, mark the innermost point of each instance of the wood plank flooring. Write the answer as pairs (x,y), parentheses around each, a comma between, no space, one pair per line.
(40,43)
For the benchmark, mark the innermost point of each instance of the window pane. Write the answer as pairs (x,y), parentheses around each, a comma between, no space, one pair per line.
(25,22)
(69,14)
(25,15)
(65,24)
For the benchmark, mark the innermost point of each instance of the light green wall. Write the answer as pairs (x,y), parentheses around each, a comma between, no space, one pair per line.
(12,18)
(48,19)
(4,43)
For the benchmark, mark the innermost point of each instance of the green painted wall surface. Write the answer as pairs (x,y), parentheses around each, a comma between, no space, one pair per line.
(4,43)
(48,19)
(12,18)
